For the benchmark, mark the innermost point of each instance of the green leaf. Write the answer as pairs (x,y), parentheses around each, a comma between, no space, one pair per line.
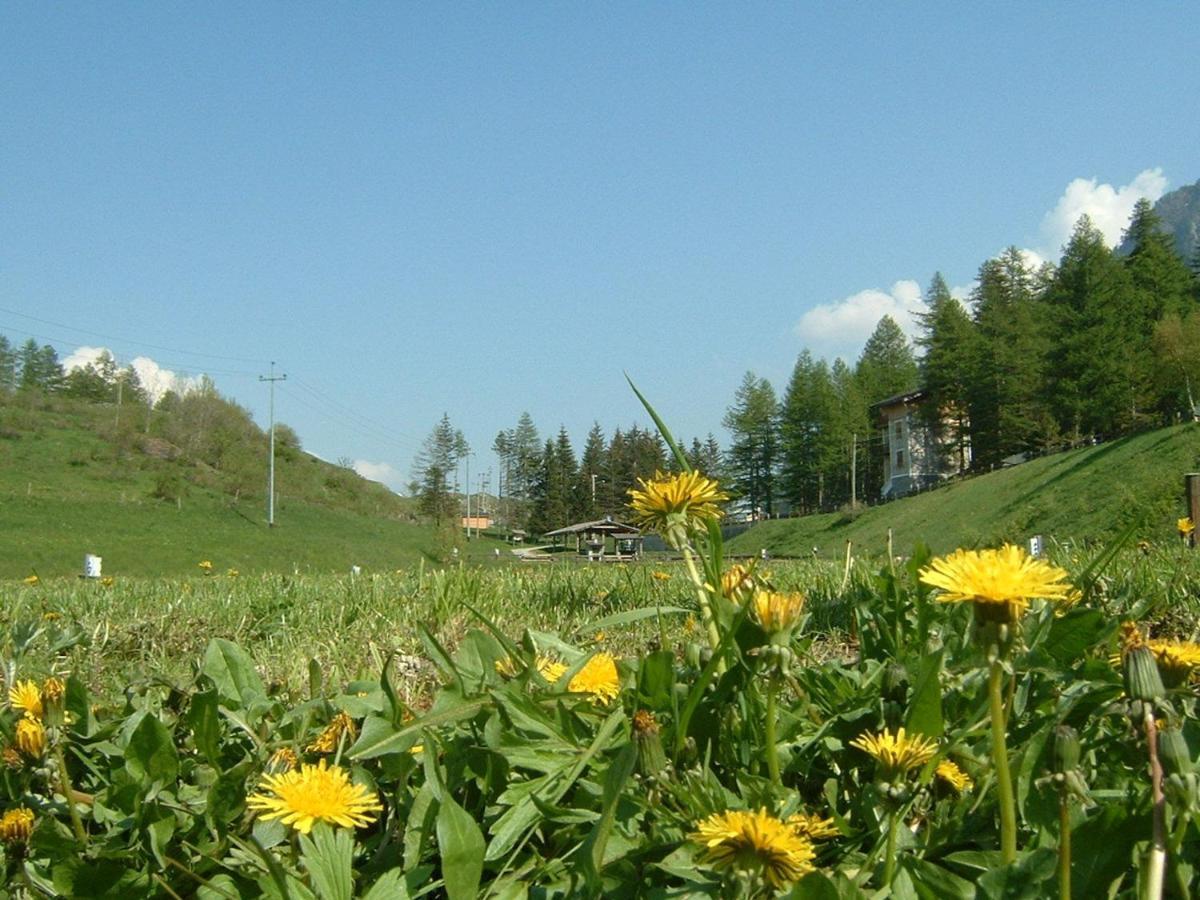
(381,744)
(630,616)
(656,679)
(1117,832)
(326,853)
(389,886)
(936,883)
(150,755)
(1076,632)
(417,828)
(461,845)
(592,852)
(105,878)
(676,451)
(1026,879)
(925,709)
(205,722)
(232,673)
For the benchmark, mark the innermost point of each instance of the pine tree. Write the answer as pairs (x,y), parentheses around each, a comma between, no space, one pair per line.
(886,367)
(807,435)
(589,493)
(948,340)
(8,366)
(1162,285)
(434,471)
(1100,364)
(753,454)
(1007,377)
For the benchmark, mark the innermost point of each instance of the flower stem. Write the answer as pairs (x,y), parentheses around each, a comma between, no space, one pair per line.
(769,737)
(1064,847)
(706,613)
(1157,862)
(68,793)
(889,862)
(1004,786)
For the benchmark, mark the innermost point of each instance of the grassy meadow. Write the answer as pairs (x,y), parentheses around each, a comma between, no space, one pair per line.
(1085,495)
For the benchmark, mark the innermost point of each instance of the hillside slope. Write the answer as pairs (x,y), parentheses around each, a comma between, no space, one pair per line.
(72,482)
(1086,494)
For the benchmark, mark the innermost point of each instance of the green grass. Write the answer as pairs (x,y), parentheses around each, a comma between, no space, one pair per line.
(71,484)
(1083,495)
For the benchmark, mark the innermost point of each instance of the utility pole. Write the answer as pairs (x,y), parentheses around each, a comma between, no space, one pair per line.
(854,471)
(467,457)
(272,378)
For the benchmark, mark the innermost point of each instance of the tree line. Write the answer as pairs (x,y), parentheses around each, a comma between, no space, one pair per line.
(1099,344)
(541,483)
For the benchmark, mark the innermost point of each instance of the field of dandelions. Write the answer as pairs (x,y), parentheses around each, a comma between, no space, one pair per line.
(916,727)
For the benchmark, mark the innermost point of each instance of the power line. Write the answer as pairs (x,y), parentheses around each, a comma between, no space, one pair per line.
(178,368)
(352,415)
(107,337)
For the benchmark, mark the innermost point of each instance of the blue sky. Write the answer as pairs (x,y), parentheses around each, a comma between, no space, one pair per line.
(486,209)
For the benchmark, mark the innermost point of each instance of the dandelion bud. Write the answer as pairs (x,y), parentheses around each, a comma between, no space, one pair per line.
(1173,751)
(1142,681)
(652,759)
(16,826)
(1066,749)
(282,760)
(31,737)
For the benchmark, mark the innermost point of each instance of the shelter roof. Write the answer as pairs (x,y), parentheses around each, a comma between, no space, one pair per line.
(607,525)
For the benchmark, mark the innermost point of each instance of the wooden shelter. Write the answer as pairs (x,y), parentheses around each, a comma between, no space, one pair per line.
(603,540)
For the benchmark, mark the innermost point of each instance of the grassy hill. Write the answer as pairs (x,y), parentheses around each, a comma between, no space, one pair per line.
(1086,494)
(73,481)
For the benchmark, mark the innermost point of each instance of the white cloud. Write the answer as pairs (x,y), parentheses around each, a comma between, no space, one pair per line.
(155,379)
(1109,207)
(842,327)
(382,472)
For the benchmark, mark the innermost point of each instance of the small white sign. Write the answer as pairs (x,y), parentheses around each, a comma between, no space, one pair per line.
(1035,545)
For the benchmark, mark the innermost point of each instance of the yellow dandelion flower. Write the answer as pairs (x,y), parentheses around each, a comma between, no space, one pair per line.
(737,583)
(51,616)
(26,696)
(327,741)
(32,580)
(205,565)
(16,826)
(950,773)
(689,625)
(282,760)
(31,737)
(232,573)
(301,798)
(660,576)
(896,753)
(670,504)
(755,842)
(1176,660)
(547,666)
(999,582)
(777,612)
(53,689)
(550,669)
(813,827)
(107,581)
(1185,526)
(598,677)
